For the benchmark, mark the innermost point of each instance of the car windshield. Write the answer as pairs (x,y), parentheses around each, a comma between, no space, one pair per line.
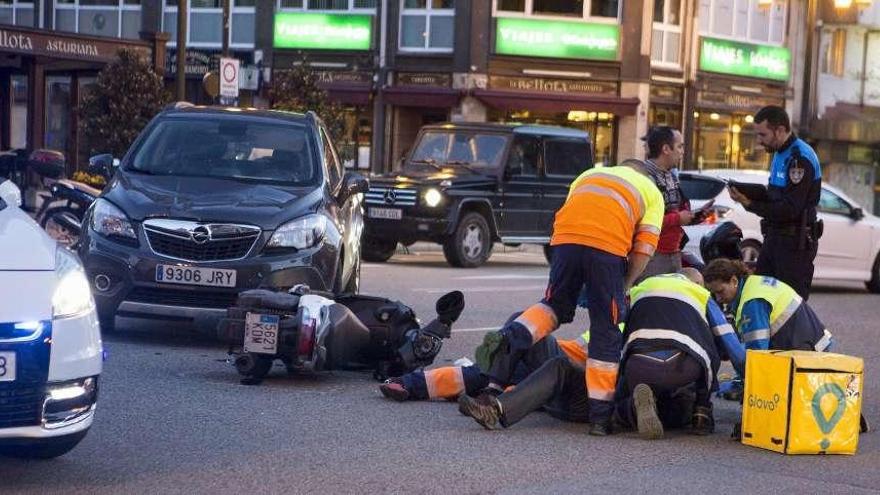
(459,148)
(700,188)
(229,148)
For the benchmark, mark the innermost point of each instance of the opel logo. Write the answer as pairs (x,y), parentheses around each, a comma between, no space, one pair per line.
(200,234)
(390,197)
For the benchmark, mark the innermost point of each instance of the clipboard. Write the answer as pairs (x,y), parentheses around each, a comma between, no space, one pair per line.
(755,192)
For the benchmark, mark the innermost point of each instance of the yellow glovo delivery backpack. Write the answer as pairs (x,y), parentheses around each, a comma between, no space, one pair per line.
(802,402)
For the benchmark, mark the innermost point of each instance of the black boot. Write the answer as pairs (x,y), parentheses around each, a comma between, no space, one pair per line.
(486,411)
(702,422)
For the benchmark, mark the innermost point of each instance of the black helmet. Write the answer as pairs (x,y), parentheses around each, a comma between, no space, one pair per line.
(722,242)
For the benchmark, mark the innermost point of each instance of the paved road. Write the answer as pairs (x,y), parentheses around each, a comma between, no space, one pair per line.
(173,418)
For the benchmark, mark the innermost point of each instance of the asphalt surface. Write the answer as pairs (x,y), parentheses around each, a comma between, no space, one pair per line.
(173,417)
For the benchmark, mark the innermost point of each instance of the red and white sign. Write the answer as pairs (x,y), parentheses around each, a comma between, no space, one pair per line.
(229,72)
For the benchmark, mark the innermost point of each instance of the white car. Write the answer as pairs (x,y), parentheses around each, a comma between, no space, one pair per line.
(848,249)
(50,343)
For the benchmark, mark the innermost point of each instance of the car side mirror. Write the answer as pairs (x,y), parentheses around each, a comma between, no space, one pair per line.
(857,214)
(353,183)
(104,165)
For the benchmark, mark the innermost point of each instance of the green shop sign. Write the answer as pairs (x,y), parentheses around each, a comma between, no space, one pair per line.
(744,59)
(323,31)
(557,39)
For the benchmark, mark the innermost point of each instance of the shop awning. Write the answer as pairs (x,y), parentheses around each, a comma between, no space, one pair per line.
(422,96)
(352,93)
(556,102)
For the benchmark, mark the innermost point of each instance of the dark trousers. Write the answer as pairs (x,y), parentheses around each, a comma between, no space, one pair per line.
(782,258)
(557,386)
(601,274)
(678,384)
(511,365)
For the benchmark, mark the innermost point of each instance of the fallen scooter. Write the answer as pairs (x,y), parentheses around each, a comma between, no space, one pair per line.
(310,332)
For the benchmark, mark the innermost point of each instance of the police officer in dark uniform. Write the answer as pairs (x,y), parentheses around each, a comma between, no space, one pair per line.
(788,214)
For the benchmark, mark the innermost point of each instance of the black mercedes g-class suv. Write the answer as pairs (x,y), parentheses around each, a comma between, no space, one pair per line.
(467,185)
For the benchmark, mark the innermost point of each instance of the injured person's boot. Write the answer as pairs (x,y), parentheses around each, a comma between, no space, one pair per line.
(647,419)
(486,410)
(393,389)
(702,422)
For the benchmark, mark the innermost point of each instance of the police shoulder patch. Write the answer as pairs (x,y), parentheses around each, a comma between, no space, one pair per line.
(795,172)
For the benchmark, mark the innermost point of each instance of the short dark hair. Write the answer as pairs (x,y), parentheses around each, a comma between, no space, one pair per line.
(774,116)
(657,137)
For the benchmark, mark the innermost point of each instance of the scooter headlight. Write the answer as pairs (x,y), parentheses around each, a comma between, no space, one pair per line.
(72,294)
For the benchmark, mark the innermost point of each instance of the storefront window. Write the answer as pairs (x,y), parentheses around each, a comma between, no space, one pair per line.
(57,113)
(744,20)
(601,126)
(724,140)
(427,25)
(560,8)
(353,145)
(665,115)
(19,112)
(327,4)
(17,12)
(113,18)
(206,23)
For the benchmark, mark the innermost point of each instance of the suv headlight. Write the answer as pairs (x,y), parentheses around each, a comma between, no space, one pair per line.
(109,220)
(72,294)
(433,197)
(301,233)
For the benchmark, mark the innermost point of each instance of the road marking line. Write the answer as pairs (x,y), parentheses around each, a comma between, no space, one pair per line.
(501,277)
(465,330)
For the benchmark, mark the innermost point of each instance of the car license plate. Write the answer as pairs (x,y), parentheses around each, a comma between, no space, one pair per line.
(261,333)
(194,275)
(7,366)
(386,213)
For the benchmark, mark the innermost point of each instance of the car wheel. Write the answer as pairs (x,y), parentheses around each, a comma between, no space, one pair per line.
(353,286)
(48,448)
(749,251)
(377,250)
(873,285)
(471,243)
(548,253)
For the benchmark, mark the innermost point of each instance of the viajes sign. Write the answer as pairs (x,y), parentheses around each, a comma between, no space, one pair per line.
(745,59)
(65,46)
(557,39)
(323,31)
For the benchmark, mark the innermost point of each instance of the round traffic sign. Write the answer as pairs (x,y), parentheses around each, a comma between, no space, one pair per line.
(228,72)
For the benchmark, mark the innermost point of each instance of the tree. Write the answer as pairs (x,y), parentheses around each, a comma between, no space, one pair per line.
(127,94)
(297,90)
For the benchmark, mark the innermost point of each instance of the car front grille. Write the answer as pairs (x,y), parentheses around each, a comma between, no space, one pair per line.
(20,405)
(196,298)
(176,239)
(391,196)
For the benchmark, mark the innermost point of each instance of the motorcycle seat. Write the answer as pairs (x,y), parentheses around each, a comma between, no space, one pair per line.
(79,186)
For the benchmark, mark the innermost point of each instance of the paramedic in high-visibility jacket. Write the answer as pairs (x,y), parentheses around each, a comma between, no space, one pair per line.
(603,237)
(769,313)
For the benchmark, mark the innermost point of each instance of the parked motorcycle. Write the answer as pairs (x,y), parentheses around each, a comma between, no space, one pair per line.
(309,331)
(63,208)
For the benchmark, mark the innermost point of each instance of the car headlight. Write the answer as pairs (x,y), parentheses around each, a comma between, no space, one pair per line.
(109,220)
(433,197)
(301,233)
(72,294)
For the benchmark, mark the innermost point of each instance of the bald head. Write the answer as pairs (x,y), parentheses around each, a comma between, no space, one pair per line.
(693,275)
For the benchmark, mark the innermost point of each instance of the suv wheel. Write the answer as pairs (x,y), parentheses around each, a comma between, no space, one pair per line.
(471,243)
(873,285)
(353,286)
(377,250)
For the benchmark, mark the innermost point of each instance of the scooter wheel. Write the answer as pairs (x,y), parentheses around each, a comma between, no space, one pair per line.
(252,366)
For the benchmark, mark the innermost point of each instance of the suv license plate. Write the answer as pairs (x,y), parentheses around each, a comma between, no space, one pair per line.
(261,333)
(193,275)
(386,213)
(7,366)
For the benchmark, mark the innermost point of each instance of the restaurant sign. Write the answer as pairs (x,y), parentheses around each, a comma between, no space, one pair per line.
(745,59)
(59,45)
(556,39)
(542,85)
(323,31)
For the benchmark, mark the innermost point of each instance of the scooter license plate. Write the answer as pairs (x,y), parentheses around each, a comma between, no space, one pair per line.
(7,366)
(261,333)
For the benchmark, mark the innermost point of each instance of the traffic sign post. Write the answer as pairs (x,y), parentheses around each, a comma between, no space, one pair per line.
(229,74)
